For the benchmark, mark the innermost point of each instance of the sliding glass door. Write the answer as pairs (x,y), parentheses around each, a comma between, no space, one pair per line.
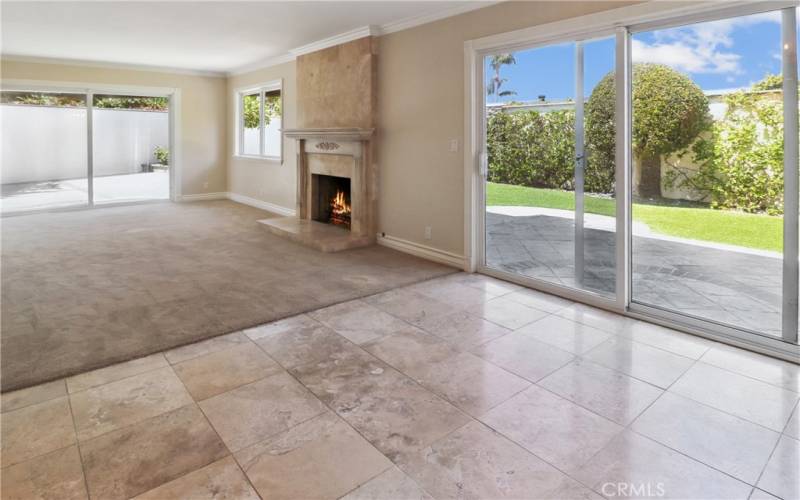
(68,149)
(43,151)
(549,211)
(653,172)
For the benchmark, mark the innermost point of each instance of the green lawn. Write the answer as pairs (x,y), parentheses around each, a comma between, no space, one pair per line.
(720,226)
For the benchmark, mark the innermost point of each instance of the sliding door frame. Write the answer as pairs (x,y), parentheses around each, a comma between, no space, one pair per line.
(89,90)
(618,23)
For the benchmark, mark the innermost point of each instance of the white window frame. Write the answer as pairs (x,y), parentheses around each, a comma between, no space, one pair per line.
(619,23)
(238,103)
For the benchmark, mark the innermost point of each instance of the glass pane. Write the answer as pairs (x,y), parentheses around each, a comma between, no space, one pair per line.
(532,226)
(131,148)
(708,171)
(44,148)
(272,123)
(250,109)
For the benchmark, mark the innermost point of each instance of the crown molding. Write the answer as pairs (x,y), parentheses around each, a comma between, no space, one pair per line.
(413,22)
(110,65)
(341,38)
(262,64)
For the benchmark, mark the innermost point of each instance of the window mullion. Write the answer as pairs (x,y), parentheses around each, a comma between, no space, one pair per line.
(261,94)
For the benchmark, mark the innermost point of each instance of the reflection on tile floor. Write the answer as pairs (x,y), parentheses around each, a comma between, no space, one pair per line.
(459,387)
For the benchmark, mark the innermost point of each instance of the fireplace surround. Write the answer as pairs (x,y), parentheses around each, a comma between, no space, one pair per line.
(331,158)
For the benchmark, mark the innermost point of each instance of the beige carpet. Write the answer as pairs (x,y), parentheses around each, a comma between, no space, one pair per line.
(85,289)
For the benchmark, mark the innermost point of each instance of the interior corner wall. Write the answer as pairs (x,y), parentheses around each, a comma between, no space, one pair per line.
(421,108)
(202,120)
(264,180)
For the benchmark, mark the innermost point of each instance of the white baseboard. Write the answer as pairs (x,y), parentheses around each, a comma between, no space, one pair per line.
(204,196)
(263,205)
(422,251)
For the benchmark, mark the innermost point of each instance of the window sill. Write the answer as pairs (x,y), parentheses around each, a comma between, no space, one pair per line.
(271,159)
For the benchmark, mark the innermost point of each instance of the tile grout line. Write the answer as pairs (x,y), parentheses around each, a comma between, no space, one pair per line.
(78,444)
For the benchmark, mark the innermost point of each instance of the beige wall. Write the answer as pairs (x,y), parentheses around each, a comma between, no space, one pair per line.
(202,113)
(264,180)
(421,107)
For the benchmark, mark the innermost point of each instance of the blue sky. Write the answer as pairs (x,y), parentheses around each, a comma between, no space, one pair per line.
(731,53)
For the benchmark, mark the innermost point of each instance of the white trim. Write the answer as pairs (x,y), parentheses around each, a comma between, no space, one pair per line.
(347,36)
(413,22)
(83,87)
(422,251)
(238,132)
(222,195)
(262,64)
(263,205)
(112,65)
(361,32)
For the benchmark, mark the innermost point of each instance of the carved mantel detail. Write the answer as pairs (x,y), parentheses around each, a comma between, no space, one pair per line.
(327,146)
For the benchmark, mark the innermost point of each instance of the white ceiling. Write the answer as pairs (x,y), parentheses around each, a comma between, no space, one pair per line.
(205,36)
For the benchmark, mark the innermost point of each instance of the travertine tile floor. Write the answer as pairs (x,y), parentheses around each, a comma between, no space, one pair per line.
(459,387)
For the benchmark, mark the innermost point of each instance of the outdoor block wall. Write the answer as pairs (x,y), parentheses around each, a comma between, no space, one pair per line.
(48,143)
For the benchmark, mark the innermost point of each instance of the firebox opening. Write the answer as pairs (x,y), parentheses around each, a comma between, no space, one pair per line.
(331,200)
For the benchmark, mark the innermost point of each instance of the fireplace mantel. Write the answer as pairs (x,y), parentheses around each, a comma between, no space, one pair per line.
(338,133)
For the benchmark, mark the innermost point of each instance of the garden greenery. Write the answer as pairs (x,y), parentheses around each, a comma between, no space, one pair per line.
(741,158)
(272,108)
(738,159)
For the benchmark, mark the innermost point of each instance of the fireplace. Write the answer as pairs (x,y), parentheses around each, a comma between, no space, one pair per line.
(330,200)
(336,190)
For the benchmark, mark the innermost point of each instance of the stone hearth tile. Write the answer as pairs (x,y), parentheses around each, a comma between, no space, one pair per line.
(127,401)
(256,411)
(409,306)
(656,366)
(392,484)
(222,371)
(457,295)
(476,462)
(463,330)
(358,321)
(750,399)
(793,427)
(57,475)
(566,335)
(683,344)
(552,428)
(32,395)
(136,459)
(36,430)
(598,318)
(116,372)
(223,479)
(770,370)
(295,346)
(509,314)
(761,495)
(492,286)
(780,477)
(524,356)
(614,395)
(285,325)
(394,413)
(187,352)
(539,300)
(634,461)
(727,443)
(307,461)
(478,385)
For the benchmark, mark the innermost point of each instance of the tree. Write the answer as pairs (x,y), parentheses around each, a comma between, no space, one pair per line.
(498,61)
(272,108)
(669,112)
(769,82)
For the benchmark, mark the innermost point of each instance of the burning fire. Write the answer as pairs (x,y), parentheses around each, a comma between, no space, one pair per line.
(340,209)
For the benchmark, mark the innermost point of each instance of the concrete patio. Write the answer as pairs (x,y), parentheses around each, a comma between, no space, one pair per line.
(717,282)
(20,197)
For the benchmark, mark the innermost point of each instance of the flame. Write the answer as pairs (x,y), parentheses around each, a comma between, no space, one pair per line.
(339,204)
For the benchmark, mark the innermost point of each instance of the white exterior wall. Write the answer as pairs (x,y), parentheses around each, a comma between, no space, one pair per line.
(47,143)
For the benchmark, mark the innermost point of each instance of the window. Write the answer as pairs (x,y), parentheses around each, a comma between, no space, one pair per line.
(260,113)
